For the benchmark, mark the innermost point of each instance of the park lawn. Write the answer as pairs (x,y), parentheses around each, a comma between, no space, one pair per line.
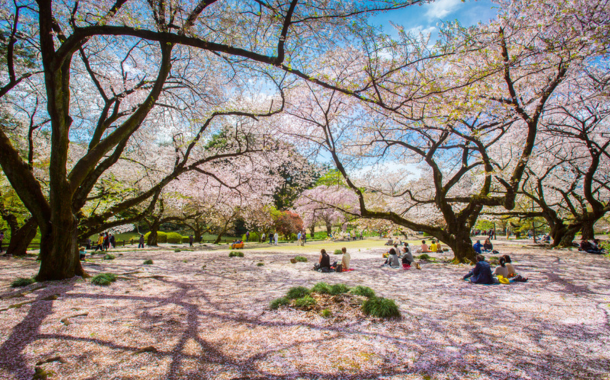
(329,246)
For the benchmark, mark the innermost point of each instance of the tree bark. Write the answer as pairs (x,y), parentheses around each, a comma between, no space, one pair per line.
(152,237)
(222,232)
(21,238)
(588,232)
(59,258)
(461,245)
(329,228)
(568,237)
(312,231)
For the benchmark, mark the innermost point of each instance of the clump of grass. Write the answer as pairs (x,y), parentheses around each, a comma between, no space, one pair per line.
(260,264)
(108,256)
(337,252)
(339,289)
(276,303)
(236,254)
(304,302)
(326,313)
(381,307)
(20,282)
(424,256)
(148,262)
(185,261)
(103,279)
(297,292)
(364,291)
(301,259)
(321,288)
(176,250)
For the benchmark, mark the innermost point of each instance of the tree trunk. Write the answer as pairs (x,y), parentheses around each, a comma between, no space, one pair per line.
(461,245)
(329,228)
(312,231)
(59,258)
(21,238)
(222,232)
(588,233)
(568,237)
(152,237)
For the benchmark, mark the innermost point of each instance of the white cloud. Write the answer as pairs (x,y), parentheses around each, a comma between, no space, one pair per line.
(441,8)
(423,30)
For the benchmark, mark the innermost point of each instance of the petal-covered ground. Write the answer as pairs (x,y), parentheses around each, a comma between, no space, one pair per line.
(215,322)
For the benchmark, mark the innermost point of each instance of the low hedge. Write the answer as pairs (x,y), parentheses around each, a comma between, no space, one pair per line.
(174,238)
(161,237)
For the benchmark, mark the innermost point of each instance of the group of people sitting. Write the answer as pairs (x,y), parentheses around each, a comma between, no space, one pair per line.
(485,247)
(505,272)
(435,246)
(324,264)
(591,247)
(397,256)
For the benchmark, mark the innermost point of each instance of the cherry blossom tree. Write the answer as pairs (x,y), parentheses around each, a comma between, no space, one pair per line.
(324,204)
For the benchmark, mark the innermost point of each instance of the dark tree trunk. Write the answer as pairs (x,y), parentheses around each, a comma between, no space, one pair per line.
(461,245)
(59,258)
(588,233)
(568,237)
(152,237)
(558,231)
(329,228)
(222,232)
(312,231)
(21,238)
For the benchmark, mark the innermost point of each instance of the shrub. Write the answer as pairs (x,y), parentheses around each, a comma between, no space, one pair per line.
(174,238)
(326,313)
(338,289)
(103,279)
(236,254)
(364,291)
(253,237)
(301,259)
(148,262)
(338,252)
(424,256)
(185,261)
(297,292)
(108,256)
(161,237)
(260,264)
(185,239)
(276,303)
(321,288)
(176,250)
(305,302)
(22,282)
(380,307)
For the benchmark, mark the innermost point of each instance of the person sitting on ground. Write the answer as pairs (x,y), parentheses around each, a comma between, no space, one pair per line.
(433,247)
(392,259)
(407,257)
(596,245)
(481,273)
(477,246)
(509,266)
(585,246)
(424,247)
(82,252)
(345,259)
(502,270)
(324,260)
(589,247)
(547,238)
(487,246)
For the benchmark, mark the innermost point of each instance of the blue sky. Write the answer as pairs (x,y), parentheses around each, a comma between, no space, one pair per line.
(427,17)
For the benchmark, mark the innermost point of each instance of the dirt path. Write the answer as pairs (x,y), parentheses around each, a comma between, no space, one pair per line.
(214,323)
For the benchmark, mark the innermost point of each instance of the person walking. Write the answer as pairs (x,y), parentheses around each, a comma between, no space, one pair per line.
(1,239)
(304,237)
(191,240)
(299,238)
(141,243)
(263,236)
(275,237)
(247,235)
(100,243)
(111,241)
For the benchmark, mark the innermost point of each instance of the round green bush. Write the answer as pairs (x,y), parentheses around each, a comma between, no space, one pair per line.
(148,262)
(276,303)
(304,302)
(260,264)
(176,250)
(321,288)
(326,313)
(364,291)
(174,238)
(253,237)
(338,289)
(424,256)
(236,254)
(381,308)
(161,237)
(103,279)
(297,292)
(20,282)
(301,259)
(108,256)
(338,252)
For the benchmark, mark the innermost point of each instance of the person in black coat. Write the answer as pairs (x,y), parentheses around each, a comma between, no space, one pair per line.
(481,273)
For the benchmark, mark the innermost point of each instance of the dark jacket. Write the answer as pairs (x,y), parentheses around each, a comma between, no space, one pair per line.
(477,247)
(481,273)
